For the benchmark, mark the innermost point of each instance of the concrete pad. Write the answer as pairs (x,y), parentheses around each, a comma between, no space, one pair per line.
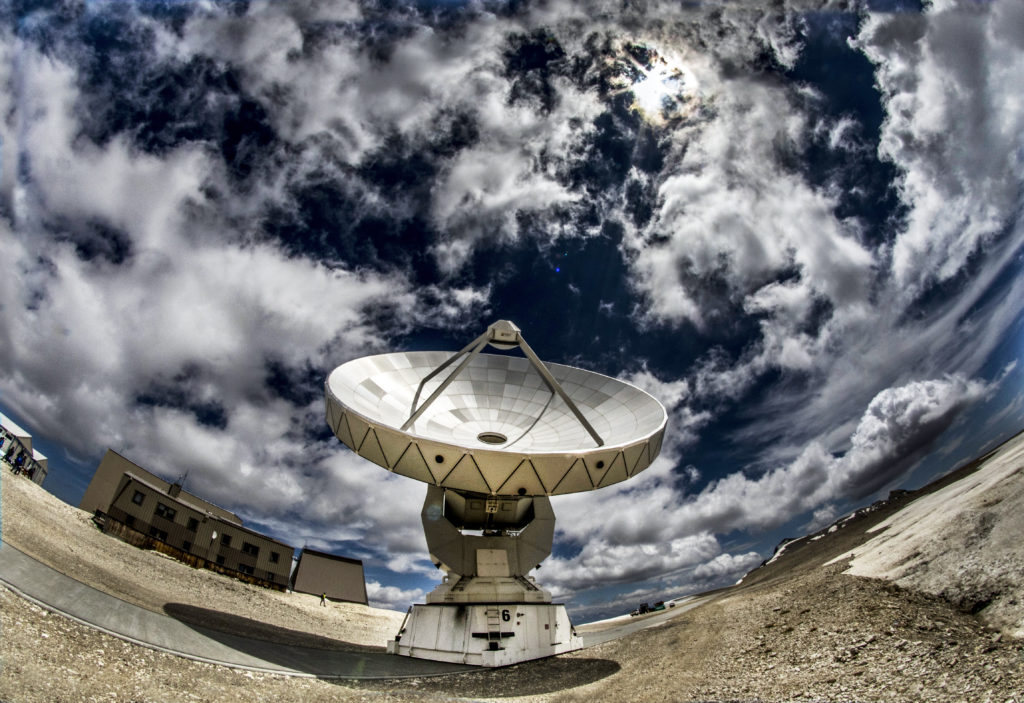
(63,594)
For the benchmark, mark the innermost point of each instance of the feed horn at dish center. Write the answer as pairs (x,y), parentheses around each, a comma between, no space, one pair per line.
(493,436)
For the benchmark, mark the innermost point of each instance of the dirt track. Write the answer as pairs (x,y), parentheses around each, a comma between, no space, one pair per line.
(796,630)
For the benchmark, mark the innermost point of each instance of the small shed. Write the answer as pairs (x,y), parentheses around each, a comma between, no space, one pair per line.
(42,466)
(340,578)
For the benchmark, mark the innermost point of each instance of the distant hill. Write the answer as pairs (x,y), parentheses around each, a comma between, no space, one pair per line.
(959,538)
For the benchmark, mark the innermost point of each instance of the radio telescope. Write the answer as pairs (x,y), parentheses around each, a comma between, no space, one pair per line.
(492,438)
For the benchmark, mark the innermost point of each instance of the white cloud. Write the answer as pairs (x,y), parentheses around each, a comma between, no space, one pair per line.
(731,209)
(954,127)
(264,45)
(601,563)
(823,516)
(1013,410)
(953,130)
(192,309)
(727,566)
(341,90)
(392,597)
(684,422)
(479,198)
(896,428)
(899,425)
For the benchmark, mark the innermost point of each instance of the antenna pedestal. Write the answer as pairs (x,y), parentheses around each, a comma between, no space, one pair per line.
(487,611)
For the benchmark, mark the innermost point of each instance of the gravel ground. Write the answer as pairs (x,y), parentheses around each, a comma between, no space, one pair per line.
(796,630)
(65,538)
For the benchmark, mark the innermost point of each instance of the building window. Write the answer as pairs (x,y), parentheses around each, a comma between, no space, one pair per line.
(250,549)
(138,497)
(129,520)
(165,512)
(274,556)
(158,533)
(220,559)
(270,576)
(246,569)
(187,546)
(225,540)
(192,524)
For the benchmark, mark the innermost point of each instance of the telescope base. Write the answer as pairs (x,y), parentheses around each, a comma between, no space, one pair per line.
(485,634)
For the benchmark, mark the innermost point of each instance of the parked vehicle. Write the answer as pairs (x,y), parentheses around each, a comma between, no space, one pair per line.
(644,608)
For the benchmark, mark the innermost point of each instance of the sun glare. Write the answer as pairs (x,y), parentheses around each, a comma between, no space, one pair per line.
(655,89)
(663,89)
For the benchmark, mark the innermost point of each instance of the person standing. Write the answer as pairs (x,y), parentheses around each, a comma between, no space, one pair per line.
(323,599)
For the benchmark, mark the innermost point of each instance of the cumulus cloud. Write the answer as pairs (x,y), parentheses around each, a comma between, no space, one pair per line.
(732,212)
(392,597)
(138,316)
(838,345)
(497,170)
(727,566)
(601,563)
(944,77)
(898,426)
(684,420)
(821,517)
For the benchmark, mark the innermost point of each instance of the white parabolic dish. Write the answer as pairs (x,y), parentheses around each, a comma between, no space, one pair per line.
(497,428)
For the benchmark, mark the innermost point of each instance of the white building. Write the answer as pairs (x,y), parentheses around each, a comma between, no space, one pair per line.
(18,442)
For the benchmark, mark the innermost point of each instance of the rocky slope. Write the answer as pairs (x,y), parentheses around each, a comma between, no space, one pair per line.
(962,542)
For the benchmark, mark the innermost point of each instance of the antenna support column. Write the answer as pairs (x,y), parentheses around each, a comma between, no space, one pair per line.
(487,611)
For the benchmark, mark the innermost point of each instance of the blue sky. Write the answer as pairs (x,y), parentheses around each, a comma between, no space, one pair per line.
(800,228)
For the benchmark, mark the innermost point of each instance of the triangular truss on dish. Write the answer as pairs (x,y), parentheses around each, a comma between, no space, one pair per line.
(503,335)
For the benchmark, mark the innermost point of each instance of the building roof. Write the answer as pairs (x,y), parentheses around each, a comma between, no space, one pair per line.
(13,428)
(199,509)
(200,504)
(350,560)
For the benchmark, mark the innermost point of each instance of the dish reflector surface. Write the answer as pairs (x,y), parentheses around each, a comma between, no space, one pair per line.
(457,441)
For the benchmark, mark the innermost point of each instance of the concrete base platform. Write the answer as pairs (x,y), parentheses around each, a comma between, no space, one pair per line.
(486,634)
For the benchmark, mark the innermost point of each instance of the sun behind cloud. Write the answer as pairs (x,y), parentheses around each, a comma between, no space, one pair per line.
(664,87)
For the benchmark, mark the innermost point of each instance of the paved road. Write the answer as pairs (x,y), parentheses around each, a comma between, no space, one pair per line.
(642,622)
(55,591)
